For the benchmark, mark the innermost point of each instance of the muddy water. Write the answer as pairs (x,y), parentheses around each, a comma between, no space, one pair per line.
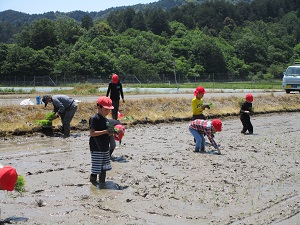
(158,179)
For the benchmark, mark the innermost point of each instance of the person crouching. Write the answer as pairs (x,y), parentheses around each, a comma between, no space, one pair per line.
(199,128)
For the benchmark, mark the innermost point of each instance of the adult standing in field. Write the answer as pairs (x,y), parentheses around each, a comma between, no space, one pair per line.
(115,90)
(64,107)
(197,104)
(245,112)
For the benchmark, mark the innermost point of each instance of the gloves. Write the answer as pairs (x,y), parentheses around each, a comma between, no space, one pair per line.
(207,106)
(111,130)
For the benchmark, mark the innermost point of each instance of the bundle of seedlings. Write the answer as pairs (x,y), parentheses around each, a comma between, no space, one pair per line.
(47,122)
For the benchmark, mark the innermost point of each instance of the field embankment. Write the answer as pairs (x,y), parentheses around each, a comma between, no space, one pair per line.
(20,120)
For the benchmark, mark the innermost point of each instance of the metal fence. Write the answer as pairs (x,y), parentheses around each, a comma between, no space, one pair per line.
(34,81)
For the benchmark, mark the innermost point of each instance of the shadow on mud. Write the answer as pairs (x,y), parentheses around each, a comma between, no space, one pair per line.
(109,185)
(13,220)
(121,159)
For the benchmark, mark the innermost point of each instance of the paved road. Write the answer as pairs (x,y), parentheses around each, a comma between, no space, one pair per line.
(16,99)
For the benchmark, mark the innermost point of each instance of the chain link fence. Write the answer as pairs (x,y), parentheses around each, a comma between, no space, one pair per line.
(52,81)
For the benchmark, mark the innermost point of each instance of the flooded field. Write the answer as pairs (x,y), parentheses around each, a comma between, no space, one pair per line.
(158,179)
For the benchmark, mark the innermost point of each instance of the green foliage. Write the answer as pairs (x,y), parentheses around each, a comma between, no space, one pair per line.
(237,39)
(45,122)
(50,116)
(20,184)
(241,101)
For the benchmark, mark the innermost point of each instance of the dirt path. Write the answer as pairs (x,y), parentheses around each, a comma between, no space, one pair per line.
(158,179)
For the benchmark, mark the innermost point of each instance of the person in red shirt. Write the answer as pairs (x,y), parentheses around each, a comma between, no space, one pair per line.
(199,128)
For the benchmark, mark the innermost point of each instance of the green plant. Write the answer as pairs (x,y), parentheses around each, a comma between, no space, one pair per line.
(20,185)
(43,122)
(50,116)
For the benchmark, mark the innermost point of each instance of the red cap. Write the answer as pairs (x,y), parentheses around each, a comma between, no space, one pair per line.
(121,131)
(199,89)
(217,124)
(115,78)
(8,178)
(105,102)
(249,97)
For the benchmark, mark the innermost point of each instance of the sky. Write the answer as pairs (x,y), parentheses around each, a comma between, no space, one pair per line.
(42,6)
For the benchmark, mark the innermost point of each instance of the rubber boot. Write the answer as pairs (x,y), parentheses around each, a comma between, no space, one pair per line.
(102,177)
(93,178)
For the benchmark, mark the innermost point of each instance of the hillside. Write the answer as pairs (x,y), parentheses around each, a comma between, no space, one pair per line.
(16,17)
(166,41)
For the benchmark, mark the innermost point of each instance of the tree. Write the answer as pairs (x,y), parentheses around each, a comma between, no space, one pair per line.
(26,62)
(157,21)
(204,50)
(40,34)
(252,49)
(139,22)
(67,30)
(87,22)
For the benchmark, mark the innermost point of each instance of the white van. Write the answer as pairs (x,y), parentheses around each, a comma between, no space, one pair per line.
(291,78)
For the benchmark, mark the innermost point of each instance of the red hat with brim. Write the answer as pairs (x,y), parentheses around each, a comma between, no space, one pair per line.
(105,102)
(200,90)
(217,124)
(8,178)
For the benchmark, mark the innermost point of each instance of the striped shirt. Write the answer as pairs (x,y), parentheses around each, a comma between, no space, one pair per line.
(204,127)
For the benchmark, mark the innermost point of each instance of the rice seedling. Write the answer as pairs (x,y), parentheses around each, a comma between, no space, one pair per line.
(20,185)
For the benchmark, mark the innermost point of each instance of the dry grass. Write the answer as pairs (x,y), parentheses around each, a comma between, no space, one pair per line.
(20,120)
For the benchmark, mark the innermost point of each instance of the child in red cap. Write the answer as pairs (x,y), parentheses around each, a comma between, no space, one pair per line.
(8,178)
(100,132)
(197,103)
(199,128)
(245,111)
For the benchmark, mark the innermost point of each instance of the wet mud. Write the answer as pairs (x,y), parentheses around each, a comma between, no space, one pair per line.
(158,179)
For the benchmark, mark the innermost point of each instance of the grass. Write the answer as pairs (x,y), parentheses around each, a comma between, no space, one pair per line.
(20,120)
(92,89)
(274,84)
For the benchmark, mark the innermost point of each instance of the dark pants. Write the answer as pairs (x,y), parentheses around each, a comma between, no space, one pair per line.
(247,125)
(67,117)
(112,144)
(201,117)
(114,112)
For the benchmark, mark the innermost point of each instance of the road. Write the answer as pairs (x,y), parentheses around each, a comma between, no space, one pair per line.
(16,99)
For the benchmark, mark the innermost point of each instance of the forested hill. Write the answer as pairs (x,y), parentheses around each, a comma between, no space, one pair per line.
(15,17)
(213,39)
